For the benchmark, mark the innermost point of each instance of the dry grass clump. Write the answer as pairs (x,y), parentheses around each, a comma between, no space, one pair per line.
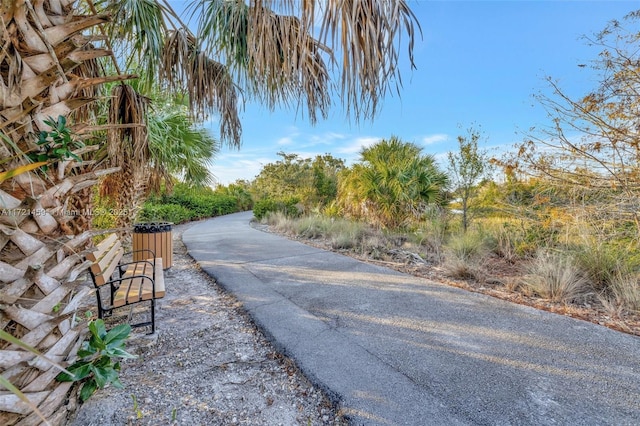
(313,226)
(463,256)
(625,291)
(555,277)
(279,222)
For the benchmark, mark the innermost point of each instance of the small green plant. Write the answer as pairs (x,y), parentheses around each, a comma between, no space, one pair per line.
(136,408)
(466,246)
(56,144)
(98,363)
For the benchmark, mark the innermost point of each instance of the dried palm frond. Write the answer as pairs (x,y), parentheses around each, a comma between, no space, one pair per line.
(127,146)
(206,82)
(286,61)
(367,32)
(211,84)
(179,48)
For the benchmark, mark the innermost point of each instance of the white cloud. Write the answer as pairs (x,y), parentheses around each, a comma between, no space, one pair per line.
(327,138)
(284,141)
(357,145)
(435,138)
(231,171)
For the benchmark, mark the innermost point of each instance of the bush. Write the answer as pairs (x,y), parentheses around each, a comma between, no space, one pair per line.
(601,262)
(463,254)
(287,206)
(173,213)
(313,226)
(466,246)
(263,207)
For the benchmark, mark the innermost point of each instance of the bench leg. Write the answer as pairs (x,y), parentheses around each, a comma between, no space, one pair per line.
(153,316)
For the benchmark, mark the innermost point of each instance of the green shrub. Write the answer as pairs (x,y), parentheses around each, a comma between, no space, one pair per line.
(287,206)
(202,202)
(224,204)
(173,213)
(98,365)
(263,207)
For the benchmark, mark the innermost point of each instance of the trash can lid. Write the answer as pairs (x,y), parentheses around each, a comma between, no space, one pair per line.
(152,227)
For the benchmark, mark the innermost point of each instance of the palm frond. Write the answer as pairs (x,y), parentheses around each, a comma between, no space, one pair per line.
(178,148)
(273,56)
(140,25)
(367,34)
(128,145)
(211,84)
(208,84)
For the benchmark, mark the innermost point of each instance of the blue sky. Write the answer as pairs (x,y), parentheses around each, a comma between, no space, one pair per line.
(478,63)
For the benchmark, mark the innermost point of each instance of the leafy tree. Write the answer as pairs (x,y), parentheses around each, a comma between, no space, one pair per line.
(178,148)
(313,182)
(591,149)
(241,190)
(392,185)
(467,168)
(325,169)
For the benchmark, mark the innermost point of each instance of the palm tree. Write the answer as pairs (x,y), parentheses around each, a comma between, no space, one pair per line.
(178,148)
(391,185)
(53,64)
(285,58)
(49,77)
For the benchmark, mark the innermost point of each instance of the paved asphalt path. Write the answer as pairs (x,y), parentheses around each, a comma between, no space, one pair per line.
(399,350)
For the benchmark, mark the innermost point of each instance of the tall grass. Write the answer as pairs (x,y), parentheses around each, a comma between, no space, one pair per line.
(342,233)
(555,277)
(601,262)
(624,289)
(463,256)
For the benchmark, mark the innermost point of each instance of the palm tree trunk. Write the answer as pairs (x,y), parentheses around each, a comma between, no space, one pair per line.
(43,49)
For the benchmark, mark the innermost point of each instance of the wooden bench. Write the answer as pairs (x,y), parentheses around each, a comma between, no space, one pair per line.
(128,283)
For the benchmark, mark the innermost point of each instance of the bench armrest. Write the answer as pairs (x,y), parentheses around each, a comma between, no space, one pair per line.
(151,262)
(153,253)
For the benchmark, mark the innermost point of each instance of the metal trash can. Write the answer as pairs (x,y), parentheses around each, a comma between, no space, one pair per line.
(156,237)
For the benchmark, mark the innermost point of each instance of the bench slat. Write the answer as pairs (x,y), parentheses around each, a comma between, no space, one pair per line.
(101,247)
(137,289)
(103,262)
(106,274)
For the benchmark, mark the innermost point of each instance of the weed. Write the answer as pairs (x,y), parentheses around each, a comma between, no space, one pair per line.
(136,409)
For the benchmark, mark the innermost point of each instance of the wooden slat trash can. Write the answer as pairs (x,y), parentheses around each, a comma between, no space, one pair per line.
(156,237)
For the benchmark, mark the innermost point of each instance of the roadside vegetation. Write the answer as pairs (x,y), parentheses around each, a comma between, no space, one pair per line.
(554,223)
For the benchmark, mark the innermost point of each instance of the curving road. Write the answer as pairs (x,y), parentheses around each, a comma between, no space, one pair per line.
(394,349)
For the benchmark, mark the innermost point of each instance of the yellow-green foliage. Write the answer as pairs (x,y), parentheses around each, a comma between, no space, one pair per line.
(102,213)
